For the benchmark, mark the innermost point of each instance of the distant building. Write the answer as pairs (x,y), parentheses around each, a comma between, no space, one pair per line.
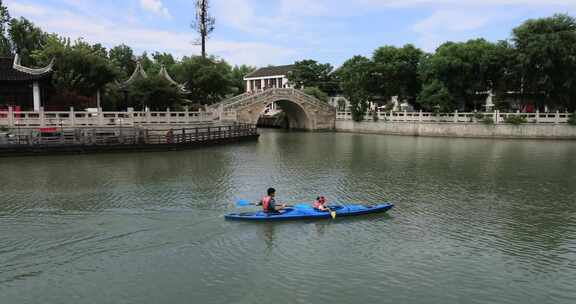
(22,87)
(268,77)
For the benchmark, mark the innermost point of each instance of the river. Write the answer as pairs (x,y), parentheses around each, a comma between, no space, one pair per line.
(475,221)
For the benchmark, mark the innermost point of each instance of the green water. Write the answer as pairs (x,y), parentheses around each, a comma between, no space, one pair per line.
(476,221)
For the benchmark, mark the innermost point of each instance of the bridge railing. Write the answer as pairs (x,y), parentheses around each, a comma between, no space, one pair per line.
(73,118)
(460,117)
(249,98)
(234,99)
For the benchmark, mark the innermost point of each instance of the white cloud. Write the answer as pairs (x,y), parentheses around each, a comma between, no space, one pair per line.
(447,25)
(155,6)
(25,9)
(113,32)
(462,3)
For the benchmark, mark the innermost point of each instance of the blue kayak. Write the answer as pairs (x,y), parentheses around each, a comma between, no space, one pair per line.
(301,212)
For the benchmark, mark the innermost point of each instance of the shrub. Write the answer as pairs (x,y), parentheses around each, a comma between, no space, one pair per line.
(515,120)
(487,121)
(4,129)
(572,119)
(479,116)
(316,92)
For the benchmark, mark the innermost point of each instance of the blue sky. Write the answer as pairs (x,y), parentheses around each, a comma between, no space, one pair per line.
(263,32)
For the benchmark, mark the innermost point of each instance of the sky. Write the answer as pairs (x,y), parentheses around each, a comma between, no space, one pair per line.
(275,32)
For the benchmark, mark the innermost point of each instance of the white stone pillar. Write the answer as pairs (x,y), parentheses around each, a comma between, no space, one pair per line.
(36,96)
(98,104)
(11,116)
(72,117)
(41,116)
(557,118)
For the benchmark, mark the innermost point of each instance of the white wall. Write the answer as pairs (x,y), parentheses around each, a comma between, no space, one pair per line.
(529,131)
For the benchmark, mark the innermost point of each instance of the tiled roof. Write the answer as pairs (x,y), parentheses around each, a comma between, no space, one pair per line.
(9,73)
(271,71)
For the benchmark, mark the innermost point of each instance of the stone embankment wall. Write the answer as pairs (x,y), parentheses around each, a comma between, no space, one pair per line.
(529,131)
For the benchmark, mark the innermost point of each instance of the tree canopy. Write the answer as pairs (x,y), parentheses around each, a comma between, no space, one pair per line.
(545,49)
(208,79)
(310,73)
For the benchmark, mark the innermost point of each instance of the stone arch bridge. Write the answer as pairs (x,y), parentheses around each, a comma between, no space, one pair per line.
(303,111)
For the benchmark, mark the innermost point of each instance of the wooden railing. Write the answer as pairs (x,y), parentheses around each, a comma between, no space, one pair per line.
(112,136)
(460,117)
(73,118)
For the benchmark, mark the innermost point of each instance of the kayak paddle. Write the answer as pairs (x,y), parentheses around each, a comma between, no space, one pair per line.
(243,203)
(332,212)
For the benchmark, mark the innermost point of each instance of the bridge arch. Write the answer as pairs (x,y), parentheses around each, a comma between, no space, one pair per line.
(304,112)
(296,115)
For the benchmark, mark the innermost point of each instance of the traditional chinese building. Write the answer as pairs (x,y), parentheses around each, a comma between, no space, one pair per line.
(139,73)
(23,87)
(268,77)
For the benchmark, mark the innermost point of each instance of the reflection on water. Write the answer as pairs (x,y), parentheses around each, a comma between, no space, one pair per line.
(484,221)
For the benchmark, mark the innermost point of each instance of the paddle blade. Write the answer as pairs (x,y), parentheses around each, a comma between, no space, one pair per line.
(333,214)
(242,203)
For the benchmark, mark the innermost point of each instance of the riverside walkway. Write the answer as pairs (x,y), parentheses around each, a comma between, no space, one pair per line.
(110,139)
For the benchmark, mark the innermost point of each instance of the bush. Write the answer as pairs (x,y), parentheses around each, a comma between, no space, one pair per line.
(316,92)
(572,119)
(479,116)
(515,120)
(4,129)
(487,121)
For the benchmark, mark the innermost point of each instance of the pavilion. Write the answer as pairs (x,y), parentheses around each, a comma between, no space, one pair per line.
(139,73)
(23,87)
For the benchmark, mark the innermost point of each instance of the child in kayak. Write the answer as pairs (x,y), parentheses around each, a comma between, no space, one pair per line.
(268,203)
(320,203)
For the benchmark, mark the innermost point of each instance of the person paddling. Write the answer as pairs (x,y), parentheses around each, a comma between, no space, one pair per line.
(320,203)
(268,203)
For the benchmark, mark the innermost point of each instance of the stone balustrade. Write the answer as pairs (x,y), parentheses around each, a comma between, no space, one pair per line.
(461,117)
(100,118)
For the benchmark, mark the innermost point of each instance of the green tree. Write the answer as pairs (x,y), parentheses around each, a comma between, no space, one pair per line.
(316,92)
(154,92)
(309,73)
(122,57)
(355,76)
(26,38)
(546,49)
(5,46)
(79,67)
(435,97)
(207,79)
(396,72)
(237,77)
(148,64)
(465,69)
